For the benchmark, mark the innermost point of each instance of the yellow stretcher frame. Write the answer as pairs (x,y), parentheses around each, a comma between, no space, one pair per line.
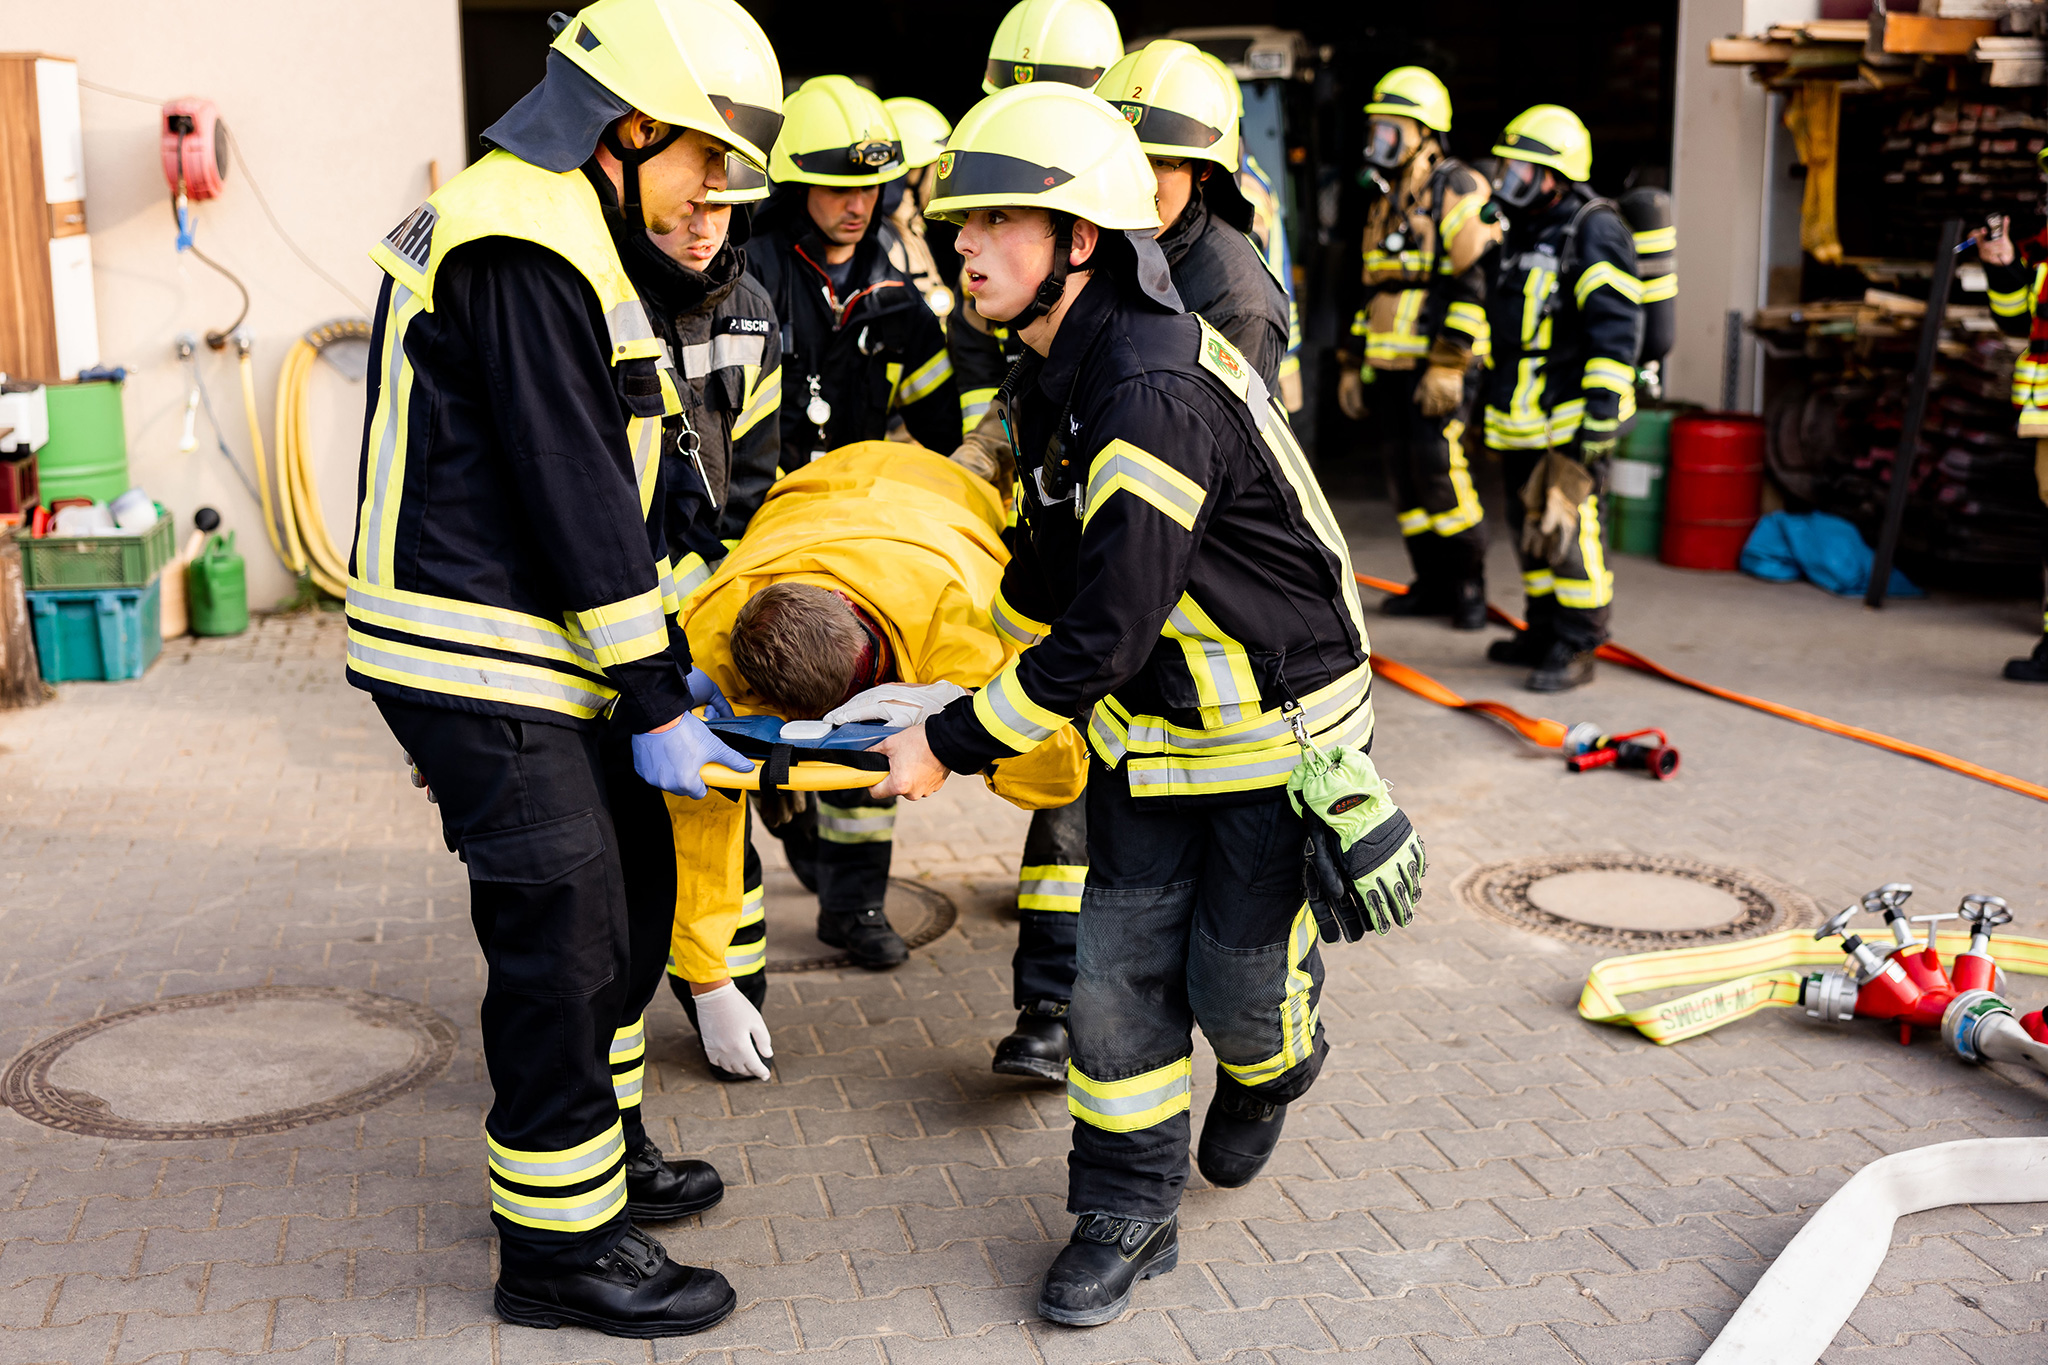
(803,777)
(1746,976)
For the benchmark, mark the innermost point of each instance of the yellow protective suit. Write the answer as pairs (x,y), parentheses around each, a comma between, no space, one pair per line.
(916,541)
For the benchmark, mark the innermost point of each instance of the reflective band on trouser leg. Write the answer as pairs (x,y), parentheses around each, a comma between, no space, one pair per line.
(1414,521)
(629,1062)
(1051,887)
(1538,583)
(1584,581)
(1132,1104)
(1298,1015)
(856,824)
(748,952)
(1466,512)
(568,1191)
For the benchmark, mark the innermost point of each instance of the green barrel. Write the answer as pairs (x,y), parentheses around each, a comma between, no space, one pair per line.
(87,455)
(217,589)
(1635,483)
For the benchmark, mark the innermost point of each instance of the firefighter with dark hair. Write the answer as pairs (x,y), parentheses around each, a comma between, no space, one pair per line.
(1422,325)
(1567,325)
(1189,594)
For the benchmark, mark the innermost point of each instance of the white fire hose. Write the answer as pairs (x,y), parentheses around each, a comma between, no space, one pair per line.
(1815,1284)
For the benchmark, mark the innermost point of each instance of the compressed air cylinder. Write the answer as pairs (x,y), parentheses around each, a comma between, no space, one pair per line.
(1649,213)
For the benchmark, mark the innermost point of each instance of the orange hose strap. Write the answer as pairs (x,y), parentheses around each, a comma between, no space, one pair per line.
(1432,690)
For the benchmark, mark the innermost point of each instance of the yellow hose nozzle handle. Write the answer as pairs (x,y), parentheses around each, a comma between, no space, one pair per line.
(803,777)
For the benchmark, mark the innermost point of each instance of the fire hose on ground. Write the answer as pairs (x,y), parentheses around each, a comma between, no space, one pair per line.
(1540,731)
(1816,1282)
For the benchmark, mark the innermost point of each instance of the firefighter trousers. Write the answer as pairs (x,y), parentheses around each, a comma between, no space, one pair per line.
(1430,480)
(840,847)
(572,894)
(1192,915)
(1568,598)
(1049,903)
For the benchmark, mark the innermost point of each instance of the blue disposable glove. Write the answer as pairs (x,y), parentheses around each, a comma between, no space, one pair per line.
(673,759)
(705,693)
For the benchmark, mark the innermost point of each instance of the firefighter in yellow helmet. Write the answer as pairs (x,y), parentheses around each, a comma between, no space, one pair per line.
(863,353)
(923,130)
(1409,369)
(1177,577)
(1566,314)
(2018,275)
(509,588)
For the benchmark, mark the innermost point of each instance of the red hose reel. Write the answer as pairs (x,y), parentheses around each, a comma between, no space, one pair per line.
(195,148)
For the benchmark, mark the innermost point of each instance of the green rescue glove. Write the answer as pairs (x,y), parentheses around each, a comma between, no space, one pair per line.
(1598,448)
(1365,860)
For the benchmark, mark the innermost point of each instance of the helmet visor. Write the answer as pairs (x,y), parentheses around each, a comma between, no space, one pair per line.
(1519,182)
(1386,144)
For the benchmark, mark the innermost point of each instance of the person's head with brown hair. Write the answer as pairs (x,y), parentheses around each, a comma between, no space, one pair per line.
(803,648)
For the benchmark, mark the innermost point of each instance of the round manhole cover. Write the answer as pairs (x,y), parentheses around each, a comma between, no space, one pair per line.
(230,1063)
(918,912)
(1631,901)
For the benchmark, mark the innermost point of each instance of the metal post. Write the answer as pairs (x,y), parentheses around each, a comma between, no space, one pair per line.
(1731,362)
(1916,412)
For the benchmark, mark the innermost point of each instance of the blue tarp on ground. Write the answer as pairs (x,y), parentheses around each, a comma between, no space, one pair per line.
(1826,550)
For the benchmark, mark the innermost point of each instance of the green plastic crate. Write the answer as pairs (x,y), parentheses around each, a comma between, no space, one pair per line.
(99,561)
(103,636)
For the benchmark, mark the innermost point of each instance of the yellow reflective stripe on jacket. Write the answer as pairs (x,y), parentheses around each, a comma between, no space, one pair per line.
(763,395)
(924,381)
(1414,521)
(1611,275)
(643,434)
(627,630)
(1297,1012)
(1461,213)
(1405,339)
(693,573)
(451,620)
(1121,467)
(1177,775)
(568,1166)
(2010,305)
(1014,624)
(1051,886)
(1322,710)
(1222,672)
(1654,240)
(377,519)
(469,675)
(1536,292)
(1470,319)
(973,407)
(1658,288)
(856,824)
(1604,373)
(1128,1106)
(1009,714)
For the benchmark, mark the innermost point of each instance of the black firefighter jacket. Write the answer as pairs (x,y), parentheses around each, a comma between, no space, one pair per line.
(1179,575)
(873,348)
(1221,276)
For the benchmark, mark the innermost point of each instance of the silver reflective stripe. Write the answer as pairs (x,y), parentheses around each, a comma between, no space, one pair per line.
(1216,654)
(1048,887)
(387,448)
(644,447)
(694,578)
(746,957)
(627,324)
(626,1090)
(1010,715)
(1165,774)
(1149,734)
(617,634)
(1103,736)
(478,673)
(600,1203)
(452,617)
(1139,473)
(627,1041)
(1130,1104)
(589,1164)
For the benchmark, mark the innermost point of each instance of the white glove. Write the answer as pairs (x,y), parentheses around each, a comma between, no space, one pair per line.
(735,1035)
(900,704)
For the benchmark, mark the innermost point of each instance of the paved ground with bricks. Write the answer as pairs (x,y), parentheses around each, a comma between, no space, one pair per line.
(1479,1176)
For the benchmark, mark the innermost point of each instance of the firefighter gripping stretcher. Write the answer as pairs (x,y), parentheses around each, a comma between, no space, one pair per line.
(865,575)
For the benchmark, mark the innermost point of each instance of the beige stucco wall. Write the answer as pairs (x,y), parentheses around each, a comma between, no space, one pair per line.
(337,109)
(1717,184)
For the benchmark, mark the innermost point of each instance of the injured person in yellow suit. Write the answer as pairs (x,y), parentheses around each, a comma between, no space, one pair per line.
(866,571)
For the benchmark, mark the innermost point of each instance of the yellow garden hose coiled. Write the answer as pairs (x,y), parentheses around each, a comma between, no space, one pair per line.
(293,518)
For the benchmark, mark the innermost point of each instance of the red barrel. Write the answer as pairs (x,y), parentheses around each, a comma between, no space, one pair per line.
(1714,489)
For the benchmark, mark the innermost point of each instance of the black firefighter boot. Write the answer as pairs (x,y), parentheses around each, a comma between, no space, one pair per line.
(658,1191)
(1526,648)
(1429,594)
(1239,1134)
(1561,669)
(865,935)
(1038,1045)
(633,1290)
(1090,1281)
(2033,668)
